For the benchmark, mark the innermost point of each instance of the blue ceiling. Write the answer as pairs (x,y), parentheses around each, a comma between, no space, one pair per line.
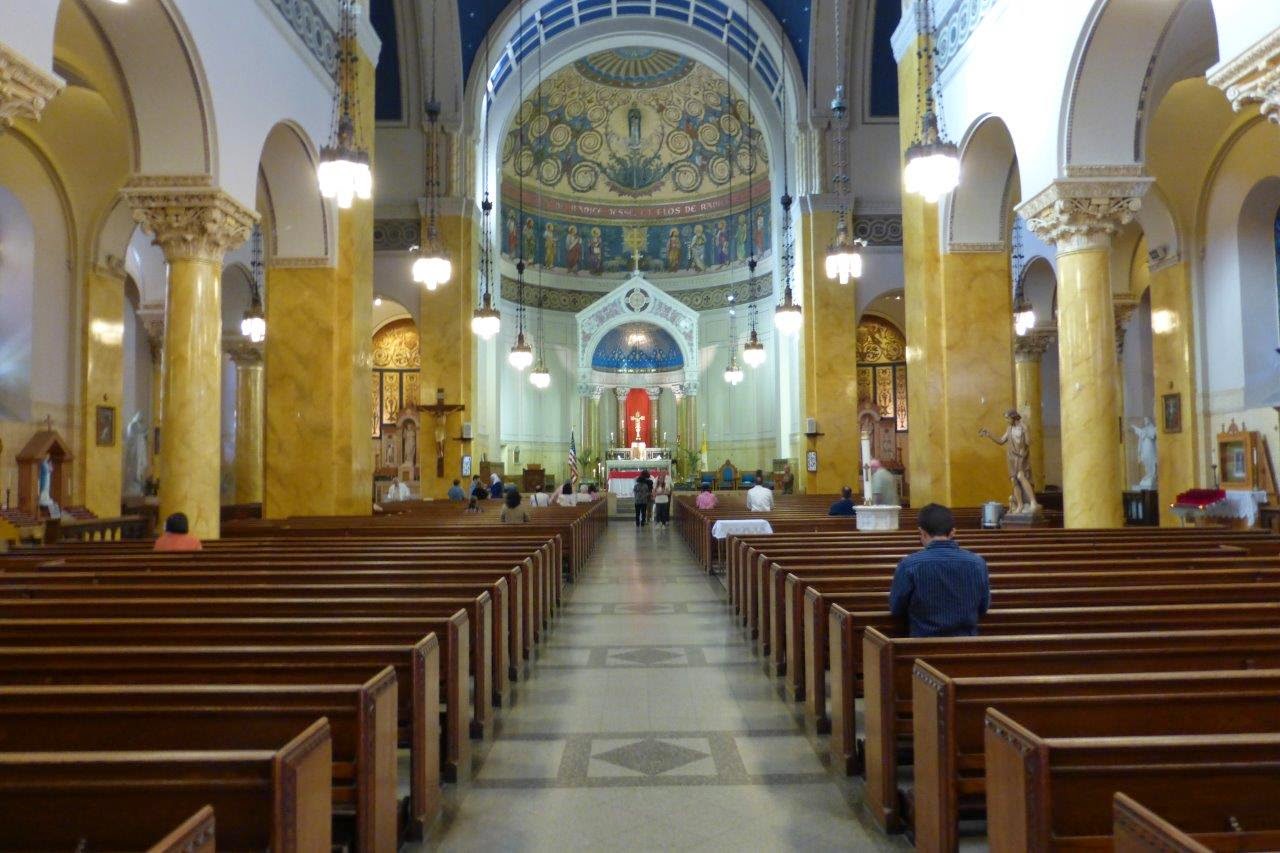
(477,16)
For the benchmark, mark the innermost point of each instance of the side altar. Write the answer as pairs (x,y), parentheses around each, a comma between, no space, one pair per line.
(623,464)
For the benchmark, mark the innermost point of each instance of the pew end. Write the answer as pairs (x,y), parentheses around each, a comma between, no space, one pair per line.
(1137,829)
(196,834)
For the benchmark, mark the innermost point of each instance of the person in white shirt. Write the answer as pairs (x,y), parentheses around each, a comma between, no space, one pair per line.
(399,491)
(760,496)
(540,498)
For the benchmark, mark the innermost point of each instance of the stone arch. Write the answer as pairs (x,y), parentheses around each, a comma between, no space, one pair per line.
(1128,54)
(978,210)
(1040,285)
(237,281)
(300,225)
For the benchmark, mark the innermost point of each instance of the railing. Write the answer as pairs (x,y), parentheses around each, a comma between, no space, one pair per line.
(96,530)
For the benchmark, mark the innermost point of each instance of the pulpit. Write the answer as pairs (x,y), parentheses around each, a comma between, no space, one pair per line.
(532,479)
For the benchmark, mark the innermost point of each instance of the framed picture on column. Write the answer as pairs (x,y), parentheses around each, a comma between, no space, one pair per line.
(466,465)
(811,461)
(1171,412)
(104,426)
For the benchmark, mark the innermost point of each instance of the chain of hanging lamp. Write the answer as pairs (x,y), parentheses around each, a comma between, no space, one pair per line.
(432,267)
(932,161)
(753,352)
(788,317)
(733,371)
(1024,315)
(254,324)
(486,321)
(540,377)
(521,355)
(343,172)
(844,260)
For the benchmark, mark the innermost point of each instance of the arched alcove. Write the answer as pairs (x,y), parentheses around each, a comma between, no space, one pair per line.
(977,212)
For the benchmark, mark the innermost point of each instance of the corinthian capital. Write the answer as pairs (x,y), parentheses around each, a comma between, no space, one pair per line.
(1032,345)
(1253,77)
(24,88)
(1084,213)
(188,217)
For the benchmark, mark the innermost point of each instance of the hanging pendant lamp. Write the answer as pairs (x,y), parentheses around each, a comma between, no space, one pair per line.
(344,172)
(254,324)
(932,161)
(486,321)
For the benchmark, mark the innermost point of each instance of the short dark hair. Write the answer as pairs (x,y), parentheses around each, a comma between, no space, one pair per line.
(706,487)
(177,523)
(759,474)
(513,498)
(457,482)
(936,520)
(847,492)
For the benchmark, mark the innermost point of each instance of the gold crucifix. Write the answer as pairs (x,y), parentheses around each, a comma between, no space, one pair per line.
(638,419)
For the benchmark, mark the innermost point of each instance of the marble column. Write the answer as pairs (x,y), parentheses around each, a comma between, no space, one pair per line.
(621,395)
(194,224)
(1028,350)
(102,371)
(655,417)
(249,423)
(1079,217)
(25,90)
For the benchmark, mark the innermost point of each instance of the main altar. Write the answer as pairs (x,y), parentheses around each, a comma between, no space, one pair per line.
(624,464)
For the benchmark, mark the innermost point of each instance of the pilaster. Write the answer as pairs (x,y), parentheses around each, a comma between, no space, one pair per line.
(25,90)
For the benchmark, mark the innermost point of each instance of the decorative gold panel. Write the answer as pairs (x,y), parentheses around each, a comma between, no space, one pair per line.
(390,396)
(412,382)
(396,346)
(880,342)
(865,393)
(900,392)
(884,391)
(375,410)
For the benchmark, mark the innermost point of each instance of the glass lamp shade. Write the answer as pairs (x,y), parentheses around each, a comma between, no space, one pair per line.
(753,352)
(1024,320)
(432,269)
(788,317)
(843,263)
(486,321)
(254,325)
(540,377)
(344,175)
(733,373)
(932,170)
(521,355)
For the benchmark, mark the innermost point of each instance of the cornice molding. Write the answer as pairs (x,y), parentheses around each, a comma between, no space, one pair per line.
(188,218)
(1253,77)
(971,248)
(25,90)
(1076,213)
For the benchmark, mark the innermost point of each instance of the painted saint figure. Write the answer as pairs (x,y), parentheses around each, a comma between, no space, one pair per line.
(572,250)
(722,243)
(530,242)
(759,232)
(549,246)
(513,236)
(698,249)
(740,238)
(674,250)
(595,252)
(1018,455)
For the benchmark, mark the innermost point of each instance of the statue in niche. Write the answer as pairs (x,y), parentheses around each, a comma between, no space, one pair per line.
(633,129)
(698,249)
(410,455)
(135,457)
(1018,455)
(572,250)
(390,458)
(674,250)
(1146,433)
(595,252)
(549,246)
(46,480)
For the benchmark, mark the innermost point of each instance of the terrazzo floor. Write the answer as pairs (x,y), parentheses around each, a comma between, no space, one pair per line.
(648,724)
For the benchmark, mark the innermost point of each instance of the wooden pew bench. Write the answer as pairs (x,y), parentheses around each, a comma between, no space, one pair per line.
(212,718)
(1046,793)
(948,715)
(196,834)
(278,800)
(417,669)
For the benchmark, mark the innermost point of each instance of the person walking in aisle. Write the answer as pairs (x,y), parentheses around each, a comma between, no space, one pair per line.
(642,492)
(661,502)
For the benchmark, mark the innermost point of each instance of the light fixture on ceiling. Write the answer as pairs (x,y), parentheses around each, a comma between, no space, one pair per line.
(377,302)
(344,172)
(254,324)
(788,317)
(486,321)
(933,162)
(1024,315)
(432,267)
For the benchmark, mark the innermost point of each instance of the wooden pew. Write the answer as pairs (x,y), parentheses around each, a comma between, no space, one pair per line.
(1056,793)
(278,800)
(451,631)
(948,715)
(1137,829)
(212,718)
(196,834)
(417,668)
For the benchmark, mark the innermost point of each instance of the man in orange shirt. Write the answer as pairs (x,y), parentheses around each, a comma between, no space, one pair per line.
(176,536)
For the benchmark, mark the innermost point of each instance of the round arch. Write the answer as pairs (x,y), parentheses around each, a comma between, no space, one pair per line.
(977,212)
(289,197)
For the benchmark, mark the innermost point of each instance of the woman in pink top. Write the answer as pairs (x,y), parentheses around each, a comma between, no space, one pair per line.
(706,499)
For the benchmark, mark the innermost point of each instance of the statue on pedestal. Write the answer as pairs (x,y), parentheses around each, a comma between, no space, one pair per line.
(135,464)
(1018,454)
(1146,433)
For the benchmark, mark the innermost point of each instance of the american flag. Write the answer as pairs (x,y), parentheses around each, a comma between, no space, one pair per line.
(573,458)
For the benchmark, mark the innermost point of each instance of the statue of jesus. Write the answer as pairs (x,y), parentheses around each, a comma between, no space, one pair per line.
(638,419)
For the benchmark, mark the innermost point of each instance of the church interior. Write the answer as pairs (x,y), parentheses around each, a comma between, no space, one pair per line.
(507,362)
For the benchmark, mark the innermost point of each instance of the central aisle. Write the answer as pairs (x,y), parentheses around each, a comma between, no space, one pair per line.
(649,724)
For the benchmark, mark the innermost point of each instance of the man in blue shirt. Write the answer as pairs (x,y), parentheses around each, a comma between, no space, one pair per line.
(844,506)
(943,589)
(455,491)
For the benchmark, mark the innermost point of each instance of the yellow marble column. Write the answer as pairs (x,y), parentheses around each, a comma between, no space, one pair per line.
(448,347)
(194,224)
(828,368)
(1173,360)
(101,460)
(1028,350)
(1079,216)
(249,423)
(621,439)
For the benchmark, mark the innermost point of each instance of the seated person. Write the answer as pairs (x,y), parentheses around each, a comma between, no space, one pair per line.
(541,497)
(176,536)
(706,498)
(456,493)
(884,486)
(513,513)
(478,491)
(943,589)
(760,496)
(844,506)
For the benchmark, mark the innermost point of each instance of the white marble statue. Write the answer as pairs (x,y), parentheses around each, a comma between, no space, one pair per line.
(135,457)
(46,480)
(1146,433)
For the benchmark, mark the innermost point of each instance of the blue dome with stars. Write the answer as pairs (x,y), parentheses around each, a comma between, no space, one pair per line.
(637,348)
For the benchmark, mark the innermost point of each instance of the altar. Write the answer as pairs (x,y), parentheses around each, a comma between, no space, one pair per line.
(624,464)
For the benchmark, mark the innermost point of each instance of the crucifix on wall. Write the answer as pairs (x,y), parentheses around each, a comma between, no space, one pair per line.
(638,419)
(441,411)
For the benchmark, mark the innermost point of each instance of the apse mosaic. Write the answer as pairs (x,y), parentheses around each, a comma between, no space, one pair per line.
(624,139)
(637,348)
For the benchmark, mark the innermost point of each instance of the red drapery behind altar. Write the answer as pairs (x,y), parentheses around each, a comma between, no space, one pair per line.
(638,404)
